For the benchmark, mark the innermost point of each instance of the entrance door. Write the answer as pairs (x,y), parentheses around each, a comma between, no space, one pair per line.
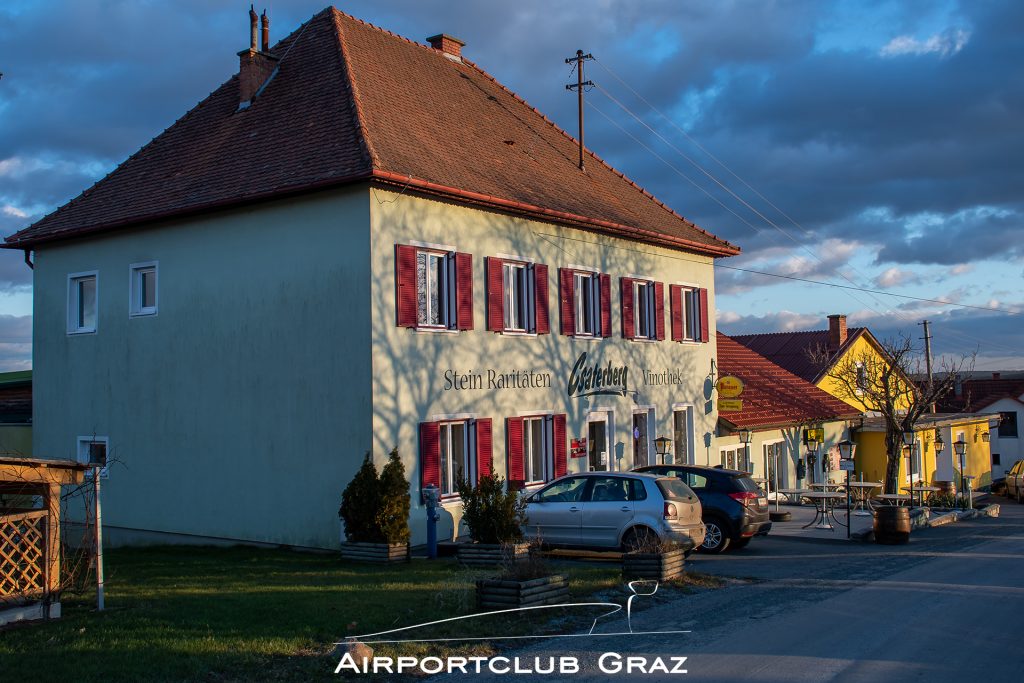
(641,440)
(597,443)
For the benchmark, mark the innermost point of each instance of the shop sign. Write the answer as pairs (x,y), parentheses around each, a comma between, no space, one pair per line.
(729,387)
(595,380)
(727,405)
(578,447)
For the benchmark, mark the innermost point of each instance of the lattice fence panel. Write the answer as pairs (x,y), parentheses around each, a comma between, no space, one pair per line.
(22,555)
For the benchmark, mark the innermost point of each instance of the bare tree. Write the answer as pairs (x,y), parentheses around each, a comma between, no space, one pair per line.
(883,384)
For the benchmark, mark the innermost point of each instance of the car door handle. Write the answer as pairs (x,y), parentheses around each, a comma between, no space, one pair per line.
(574,509)
(624,508)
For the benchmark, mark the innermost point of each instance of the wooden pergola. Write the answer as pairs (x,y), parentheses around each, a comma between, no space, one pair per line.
(34,477)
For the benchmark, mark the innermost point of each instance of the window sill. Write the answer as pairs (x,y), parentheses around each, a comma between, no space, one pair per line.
(75,333)
(433,330)
(518,333)
(588,337)
(142,314)
(644,340)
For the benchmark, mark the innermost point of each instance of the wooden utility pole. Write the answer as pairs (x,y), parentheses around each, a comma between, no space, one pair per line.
(928,358)
(578,87)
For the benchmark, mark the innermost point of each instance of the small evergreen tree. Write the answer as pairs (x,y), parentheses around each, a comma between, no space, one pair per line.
(360,505)
(394,501)
(492,514)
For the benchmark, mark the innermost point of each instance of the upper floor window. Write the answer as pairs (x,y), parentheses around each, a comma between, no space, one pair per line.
(1008,425)
(434,288)
(643,309)
(585,302)
(83,292)
(689,312)
(143,293)
(517,296)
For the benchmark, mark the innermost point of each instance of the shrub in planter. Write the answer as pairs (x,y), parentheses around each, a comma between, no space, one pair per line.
(654,559)
(394,502)
(375,510)
(494,517)
(523,582)
(359,504)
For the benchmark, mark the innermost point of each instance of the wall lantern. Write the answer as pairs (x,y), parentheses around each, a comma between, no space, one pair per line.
(939,443)
(985,437)
(661,446)
(746,436)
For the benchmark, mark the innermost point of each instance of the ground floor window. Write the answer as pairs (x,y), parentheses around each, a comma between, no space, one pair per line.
(597,443)
(535,449)
(682,430)
(735,459)
(773,462)
(641,438)
(452,450)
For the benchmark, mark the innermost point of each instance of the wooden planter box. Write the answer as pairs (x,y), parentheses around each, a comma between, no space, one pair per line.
(491,554)
(656,566)
(375,552)
(509,593)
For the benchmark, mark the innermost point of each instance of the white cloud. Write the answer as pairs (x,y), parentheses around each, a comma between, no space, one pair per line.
(944,44)
(11,210)
(894,277)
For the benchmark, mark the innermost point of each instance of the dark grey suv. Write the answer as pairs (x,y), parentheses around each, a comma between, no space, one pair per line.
(734,508)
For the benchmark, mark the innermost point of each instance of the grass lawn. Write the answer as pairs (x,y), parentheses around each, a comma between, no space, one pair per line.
(227,614)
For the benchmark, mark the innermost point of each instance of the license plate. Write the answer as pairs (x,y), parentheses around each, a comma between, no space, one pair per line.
(761,502)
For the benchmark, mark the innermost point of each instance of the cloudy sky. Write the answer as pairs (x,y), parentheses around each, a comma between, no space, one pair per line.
(868,144)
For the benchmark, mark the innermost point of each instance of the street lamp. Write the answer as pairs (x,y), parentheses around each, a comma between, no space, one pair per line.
(846,450)
(811,440)
(960,448)
(661,446)
(909,439)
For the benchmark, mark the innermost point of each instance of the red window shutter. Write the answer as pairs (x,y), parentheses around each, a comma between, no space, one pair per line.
(464,291)
(606,305)
(484,448)
(659,310)
(558,424)
(567,283)
(705,331)
(542,304)
(628,323)
(495,295)
(405,285)
(675,311)
(430,454)
(514,452)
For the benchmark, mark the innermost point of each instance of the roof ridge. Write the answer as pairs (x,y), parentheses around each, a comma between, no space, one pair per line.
(353,90)
(594,155)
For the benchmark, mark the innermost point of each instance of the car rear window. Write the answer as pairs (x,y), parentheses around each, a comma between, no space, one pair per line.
(673,488)
(744,483)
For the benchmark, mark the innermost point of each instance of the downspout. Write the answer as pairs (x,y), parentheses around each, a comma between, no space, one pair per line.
(28,259)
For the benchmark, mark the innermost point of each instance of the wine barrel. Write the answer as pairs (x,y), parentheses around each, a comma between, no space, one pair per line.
(946,487)
(892,525)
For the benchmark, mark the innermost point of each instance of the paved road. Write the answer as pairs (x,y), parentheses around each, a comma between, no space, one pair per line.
(947,607)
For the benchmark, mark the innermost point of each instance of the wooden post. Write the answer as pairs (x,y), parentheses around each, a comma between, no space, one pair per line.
(53,569)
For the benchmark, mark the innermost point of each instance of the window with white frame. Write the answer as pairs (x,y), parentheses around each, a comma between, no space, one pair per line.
(536,449)
(435,273)
(518,301)
(735,459)
(92,450)
(690,301)
(83,295)
(454,461)
(143,294)
(587,290)
(644,310)
(682,431)
(914,461)
(773,463)
(862,378)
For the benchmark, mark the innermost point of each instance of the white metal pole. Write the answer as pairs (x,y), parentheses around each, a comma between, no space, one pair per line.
(99,538)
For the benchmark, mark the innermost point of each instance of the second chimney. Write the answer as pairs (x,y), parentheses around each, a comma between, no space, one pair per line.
(255,65)
(836,331)
(450,45)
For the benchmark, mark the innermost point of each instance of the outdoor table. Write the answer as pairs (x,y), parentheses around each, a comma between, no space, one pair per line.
(794,494)
(825,510)
(862,492)
(920,489)
(892,498)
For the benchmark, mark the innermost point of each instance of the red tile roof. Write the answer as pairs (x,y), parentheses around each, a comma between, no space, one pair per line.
(351,103)
(791,350)
(773,396)
(978,394)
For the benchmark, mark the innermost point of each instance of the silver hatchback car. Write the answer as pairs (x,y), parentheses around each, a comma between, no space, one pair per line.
(624,510)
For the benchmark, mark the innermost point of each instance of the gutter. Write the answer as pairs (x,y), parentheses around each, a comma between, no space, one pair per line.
(396,180)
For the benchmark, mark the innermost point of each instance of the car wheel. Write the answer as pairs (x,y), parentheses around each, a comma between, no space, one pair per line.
(716,539)
(639,538)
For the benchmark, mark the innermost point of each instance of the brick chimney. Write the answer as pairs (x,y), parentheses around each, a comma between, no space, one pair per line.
(836,331)
(255,66)
(450,45)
